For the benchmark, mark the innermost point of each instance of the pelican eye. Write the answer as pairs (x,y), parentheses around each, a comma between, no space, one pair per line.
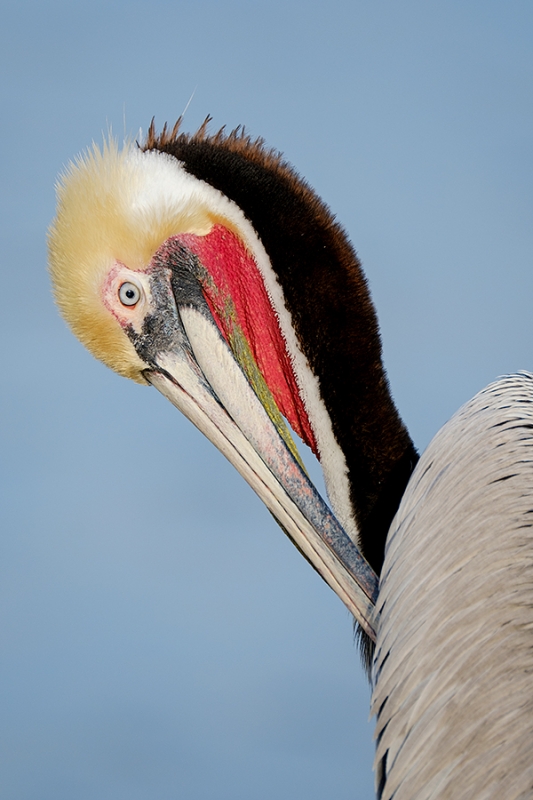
(129,294)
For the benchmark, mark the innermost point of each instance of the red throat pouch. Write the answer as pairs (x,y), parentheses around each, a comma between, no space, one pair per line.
(237,296)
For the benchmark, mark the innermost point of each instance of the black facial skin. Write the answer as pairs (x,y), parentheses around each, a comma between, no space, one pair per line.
(186,274)
(163,331)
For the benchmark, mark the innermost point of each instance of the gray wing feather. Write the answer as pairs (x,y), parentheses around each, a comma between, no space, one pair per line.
(453,670)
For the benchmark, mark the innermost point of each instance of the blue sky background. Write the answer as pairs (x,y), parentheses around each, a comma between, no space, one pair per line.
(160,638)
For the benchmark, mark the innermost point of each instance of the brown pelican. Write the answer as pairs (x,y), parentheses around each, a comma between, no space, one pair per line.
(205,266)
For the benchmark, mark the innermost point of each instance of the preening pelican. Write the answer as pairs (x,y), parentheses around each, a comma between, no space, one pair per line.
(205,266)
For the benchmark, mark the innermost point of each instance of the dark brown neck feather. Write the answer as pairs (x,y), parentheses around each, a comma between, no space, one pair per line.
(327,297)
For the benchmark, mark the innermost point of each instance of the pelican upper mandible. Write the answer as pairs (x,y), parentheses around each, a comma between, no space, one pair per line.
(205,266)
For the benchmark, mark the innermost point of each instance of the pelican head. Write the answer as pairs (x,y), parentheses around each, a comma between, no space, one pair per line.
(115,210)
